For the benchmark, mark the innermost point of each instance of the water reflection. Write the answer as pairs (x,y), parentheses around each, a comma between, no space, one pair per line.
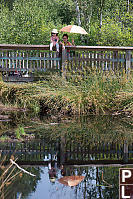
(92,186)
(72,140)
(60,145)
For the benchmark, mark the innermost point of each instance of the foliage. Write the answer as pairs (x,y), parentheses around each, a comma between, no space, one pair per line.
(8,175)
(65,11)
(97,93)
(20,132)
(12,180)
(3,138)
(30,23)
(115,34)
(108,22)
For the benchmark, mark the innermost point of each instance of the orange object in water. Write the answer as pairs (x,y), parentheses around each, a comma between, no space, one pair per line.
(71,180)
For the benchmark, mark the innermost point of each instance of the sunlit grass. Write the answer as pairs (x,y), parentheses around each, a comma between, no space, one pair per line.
(96,93)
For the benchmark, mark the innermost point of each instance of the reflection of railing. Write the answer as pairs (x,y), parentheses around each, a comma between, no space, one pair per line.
(37,150)
(100,152)
(40,151)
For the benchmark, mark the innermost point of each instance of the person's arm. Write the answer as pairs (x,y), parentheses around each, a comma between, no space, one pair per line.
(61,43)
(73,42)
(57,38)
(69,44)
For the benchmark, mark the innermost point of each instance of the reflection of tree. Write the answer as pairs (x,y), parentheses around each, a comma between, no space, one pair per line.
(8,175)
(93,128)
(99,128)
(92,186)
(15,119)
(26,184)
(77,137)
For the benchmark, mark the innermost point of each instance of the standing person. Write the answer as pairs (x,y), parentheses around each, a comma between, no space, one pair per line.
(54,40)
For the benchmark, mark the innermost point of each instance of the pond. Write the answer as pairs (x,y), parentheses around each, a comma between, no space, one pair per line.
(93,147)
(92,186)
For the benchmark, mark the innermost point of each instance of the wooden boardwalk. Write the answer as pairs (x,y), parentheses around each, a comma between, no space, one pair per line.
(22,60)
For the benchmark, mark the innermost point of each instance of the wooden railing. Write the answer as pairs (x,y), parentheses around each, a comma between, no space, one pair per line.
(105,58)
(77,58)
(28,58)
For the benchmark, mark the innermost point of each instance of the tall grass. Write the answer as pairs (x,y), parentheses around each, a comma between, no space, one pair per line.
(8,176)
(96,93)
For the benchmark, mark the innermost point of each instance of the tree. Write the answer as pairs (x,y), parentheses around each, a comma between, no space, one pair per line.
(29,22)
(117,33)
(65,11)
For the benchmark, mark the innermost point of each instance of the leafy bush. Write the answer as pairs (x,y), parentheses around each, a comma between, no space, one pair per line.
(114,33)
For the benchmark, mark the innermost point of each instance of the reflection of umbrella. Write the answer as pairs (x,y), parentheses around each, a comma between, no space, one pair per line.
(74,29)
(71,180)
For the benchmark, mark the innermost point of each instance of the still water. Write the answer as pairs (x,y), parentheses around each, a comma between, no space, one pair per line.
(92,186)
(92,147)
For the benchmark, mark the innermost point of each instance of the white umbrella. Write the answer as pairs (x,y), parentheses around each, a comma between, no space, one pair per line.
(74,29)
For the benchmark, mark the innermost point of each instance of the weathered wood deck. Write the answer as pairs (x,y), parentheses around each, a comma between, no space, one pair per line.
(28,59)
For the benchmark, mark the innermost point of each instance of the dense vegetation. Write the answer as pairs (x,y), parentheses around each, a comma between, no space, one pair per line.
(95,94)
(108,22)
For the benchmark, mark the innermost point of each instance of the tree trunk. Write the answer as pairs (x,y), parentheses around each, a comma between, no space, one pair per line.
(128,2)
(78,14)
(101,11)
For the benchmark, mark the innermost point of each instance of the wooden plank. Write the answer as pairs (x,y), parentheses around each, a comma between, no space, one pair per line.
(128,60)
(131,61)
(23,47)
(46,47)
(123,63)
(99,48)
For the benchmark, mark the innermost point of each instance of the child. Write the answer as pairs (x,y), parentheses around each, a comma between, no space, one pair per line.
(54,40)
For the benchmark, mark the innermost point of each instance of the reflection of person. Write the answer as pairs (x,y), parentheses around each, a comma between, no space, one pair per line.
(52,172)
(63,172)
(67,171)
(54,40)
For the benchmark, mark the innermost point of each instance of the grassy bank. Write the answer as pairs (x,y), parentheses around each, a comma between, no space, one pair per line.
(96,94)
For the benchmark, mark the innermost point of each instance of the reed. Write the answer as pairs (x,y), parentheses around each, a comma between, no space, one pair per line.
(96,93)
(8,176)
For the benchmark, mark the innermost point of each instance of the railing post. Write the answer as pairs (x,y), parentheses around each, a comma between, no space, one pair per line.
(128,61)
(115,62)
(125,152)
(63,56)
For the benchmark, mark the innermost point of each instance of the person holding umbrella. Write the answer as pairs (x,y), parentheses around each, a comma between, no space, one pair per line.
(72,29)
(65,41)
